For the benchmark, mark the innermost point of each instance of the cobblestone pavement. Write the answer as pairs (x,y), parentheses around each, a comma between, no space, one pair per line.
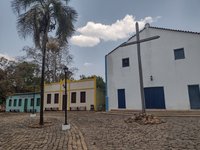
(110,132)
(97,131)
(18,132)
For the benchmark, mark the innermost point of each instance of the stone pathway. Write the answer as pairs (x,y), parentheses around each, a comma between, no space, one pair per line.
(16,134)
(97,131)
(109,132)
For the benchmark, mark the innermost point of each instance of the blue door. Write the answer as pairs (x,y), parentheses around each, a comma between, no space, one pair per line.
(194,96)
(121,98)
(154,98)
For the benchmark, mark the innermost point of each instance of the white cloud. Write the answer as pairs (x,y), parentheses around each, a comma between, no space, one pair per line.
(85,41)
(87,64)
(7,57)
(92,33)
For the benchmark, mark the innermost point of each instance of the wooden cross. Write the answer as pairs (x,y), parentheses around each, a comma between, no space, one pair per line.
(138,41)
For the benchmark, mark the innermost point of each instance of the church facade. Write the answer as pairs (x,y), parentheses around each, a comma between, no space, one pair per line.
(170,66)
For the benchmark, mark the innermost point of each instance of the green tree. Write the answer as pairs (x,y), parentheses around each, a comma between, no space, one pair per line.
(17,77)
(6,87)
(24,77)
(37,18)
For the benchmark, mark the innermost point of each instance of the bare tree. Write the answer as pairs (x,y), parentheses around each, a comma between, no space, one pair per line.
(56,58)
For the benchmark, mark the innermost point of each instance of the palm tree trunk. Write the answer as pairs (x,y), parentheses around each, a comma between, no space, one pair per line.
(42,78)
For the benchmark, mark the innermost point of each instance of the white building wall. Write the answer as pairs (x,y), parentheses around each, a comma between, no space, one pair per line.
(157,61)
(82,84)
(122,78)
(89,98)
(52,89)
(88,86)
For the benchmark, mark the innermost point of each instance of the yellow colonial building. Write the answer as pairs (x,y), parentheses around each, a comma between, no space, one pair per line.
(81,95)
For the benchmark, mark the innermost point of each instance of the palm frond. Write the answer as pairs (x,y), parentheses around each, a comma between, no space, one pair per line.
(43,16)
(22,5)
(28,24)
(65,16)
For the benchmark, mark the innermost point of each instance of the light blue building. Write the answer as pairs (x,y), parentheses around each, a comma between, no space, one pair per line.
(23,102)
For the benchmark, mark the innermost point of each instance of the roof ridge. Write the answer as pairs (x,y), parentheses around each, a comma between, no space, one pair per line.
(169,29)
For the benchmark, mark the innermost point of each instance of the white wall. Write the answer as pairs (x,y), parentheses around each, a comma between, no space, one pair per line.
(87,86)
(89,98)
(122,78)
(52,89)
(82,84)
(158,61)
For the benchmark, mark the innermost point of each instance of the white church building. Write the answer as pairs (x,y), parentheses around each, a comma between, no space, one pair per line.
(171,71)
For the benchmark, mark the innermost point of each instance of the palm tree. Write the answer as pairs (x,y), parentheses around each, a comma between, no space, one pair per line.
(37,18)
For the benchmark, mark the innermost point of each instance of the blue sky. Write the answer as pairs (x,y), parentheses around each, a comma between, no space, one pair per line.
(104,24)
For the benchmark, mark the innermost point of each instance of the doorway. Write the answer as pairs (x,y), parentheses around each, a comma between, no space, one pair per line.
(154,98)
(121,98)
(194,96)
